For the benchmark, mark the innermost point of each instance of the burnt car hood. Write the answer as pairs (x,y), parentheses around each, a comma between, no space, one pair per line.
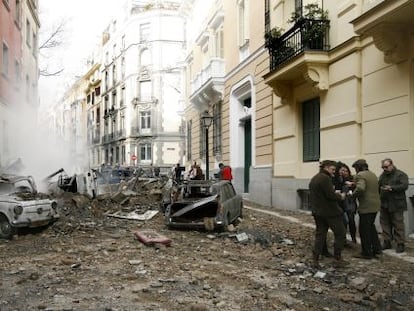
(24,199)
(194,205)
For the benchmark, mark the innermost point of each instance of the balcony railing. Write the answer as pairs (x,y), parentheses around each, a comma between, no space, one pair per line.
(215,69)
(306,34)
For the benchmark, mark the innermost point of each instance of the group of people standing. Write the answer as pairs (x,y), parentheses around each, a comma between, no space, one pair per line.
(336,196)
(196,173)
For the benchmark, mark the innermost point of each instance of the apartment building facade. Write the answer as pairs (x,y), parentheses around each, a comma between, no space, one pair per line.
(342,88)
(225,60)
(19,26)
(140,91)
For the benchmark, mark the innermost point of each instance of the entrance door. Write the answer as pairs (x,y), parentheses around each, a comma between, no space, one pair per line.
(247,153)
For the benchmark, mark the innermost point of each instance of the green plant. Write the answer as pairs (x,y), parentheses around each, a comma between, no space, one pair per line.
(313,23)
(272,36)
(310,11)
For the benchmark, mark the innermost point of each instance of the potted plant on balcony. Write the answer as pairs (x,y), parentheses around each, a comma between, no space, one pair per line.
(272,37)
(314,25)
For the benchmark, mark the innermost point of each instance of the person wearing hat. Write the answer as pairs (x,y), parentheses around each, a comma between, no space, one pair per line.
(327,213)
(392,184)
(366,191)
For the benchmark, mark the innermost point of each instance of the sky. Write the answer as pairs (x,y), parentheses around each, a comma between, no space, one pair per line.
(85,21)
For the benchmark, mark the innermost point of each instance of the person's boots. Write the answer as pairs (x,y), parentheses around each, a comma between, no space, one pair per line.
(315,261)
(400,248)
(339,262)
(325,251)
(386,244)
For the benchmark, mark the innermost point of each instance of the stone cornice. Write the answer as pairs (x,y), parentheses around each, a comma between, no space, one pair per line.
(391,39)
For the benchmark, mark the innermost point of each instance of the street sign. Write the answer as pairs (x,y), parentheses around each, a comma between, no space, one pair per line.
(133,157)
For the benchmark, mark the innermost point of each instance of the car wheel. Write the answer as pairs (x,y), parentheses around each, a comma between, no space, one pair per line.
(6,229)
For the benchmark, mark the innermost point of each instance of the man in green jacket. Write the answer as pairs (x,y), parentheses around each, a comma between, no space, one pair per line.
(392,186)
(366,191)
(326,212)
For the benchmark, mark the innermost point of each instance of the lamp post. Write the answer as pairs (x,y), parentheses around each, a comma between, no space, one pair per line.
(206,120)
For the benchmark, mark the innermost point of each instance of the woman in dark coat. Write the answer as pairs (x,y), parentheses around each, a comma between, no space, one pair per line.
(343,182)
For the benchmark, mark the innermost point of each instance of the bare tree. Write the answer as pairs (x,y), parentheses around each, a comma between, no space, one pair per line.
(53,40)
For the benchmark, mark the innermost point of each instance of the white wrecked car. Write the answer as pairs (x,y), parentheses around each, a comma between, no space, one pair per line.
(22,206)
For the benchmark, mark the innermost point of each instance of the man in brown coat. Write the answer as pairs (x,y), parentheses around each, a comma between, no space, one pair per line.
(366,191)
(326,212)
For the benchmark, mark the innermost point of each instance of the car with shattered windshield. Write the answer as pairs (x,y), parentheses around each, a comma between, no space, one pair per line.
(21,205)
(205,205)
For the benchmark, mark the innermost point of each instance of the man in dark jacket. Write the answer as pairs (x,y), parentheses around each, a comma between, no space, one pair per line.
(326,212)
(392,186)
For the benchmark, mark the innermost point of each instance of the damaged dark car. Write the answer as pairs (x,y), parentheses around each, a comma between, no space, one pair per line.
(205,205)
(21,205)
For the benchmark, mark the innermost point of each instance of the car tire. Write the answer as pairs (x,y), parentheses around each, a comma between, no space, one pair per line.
(6,229)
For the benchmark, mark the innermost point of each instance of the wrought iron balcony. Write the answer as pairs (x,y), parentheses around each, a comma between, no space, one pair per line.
(306,34)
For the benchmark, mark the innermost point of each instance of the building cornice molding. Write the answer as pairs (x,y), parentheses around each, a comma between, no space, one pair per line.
(391,39)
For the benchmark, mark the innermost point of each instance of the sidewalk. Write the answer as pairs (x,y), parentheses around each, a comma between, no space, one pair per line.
(305,219)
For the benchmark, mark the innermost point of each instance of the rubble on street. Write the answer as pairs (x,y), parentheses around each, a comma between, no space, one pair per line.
(90,260)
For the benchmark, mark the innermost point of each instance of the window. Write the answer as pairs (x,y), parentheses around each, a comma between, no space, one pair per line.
(28,33)
(189,139)
(145,117)
(123,42)
(117,155)
(106,80)
(34,42)
(123,155)
(217,137)
(144,32)
(17,71)
(145,90)
(123,68)
(114,74)
(205,54)
(243,27)
(219,43)
(122,124)
(6,4)
(18,16)
(114,103)
(106,104)
(146,152)
(5,62)
(311,130)
(122,99)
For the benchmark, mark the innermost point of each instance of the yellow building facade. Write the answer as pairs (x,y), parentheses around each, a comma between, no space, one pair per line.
(345,95)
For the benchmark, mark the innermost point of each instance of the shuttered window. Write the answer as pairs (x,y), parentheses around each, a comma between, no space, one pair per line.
(311,130)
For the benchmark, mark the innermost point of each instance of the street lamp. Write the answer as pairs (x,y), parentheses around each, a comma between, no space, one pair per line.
(206,120)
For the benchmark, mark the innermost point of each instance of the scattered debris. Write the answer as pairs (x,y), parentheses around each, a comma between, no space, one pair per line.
(134,215)
(242,237)
(150,238)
